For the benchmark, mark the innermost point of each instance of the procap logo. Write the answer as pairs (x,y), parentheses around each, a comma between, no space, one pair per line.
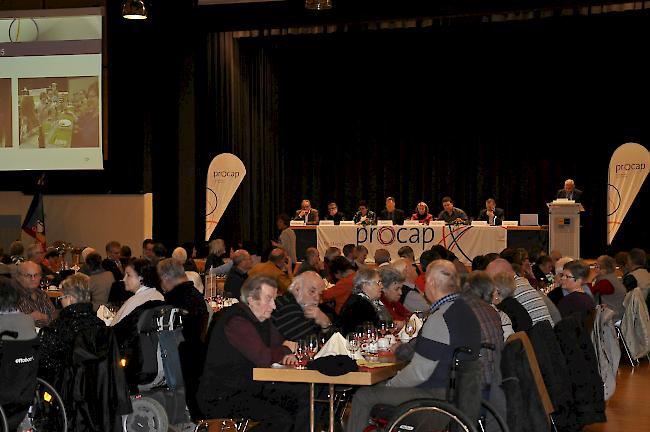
(389,235)
(625,167)
(218,174)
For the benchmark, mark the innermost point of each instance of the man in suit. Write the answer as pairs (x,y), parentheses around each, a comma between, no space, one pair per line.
(570,192)
(306,213)
(112,262)
(391,213)
(491,214)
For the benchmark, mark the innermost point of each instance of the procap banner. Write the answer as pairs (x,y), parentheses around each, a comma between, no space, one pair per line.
(628,169)
(225,174)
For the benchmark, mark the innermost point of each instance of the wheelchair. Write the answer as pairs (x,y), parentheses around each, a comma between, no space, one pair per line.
(457,412)
(27,402)
(153,370)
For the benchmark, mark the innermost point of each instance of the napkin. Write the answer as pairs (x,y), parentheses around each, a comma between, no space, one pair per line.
(104,314)
(337,345)
(418,325)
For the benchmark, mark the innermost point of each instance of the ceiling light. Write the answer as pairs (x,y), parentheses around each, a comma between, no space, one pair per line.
(134,9)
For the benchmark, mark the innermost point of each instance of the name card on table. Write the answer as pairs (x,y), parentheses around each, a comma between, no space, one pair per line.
(385,222)
(509,223)
(297,223)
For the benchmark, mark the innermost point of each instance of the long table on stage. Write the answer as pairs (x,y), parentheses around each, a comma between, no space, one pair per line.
(465,241)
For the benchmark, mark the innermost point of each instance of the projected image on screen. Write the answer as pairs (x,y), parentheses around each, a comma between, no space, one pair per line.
(59,112)
(5,112)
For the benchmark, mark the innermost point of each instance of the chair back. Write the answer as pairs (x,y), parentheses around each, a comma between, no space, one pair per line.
(18,368)
(635,324)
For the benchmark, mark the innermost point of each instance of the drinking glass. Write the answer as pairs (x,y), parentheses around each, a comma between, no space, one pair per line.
(301,355)
(312,346)
(410,328)
(353,344)
(383,328)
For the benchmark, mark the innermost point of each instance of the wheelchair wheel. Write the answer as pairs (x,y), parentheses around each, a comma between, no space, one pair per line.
(4,427)
(490,417)
(429,415)
(48,412)
(148,416)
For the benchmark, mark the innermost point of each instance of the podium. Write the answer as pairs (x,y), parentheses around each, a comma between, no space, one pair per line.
(564,227)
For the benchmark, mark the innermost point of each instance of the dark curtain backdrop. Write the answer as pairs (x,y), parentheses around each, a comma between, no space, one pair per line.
(507,110)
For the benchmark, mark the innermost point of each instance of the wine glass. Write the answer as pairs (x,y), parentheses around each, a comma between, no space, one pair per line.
(312,346)
(410,328)
(354,344)
(383,328)
(392,327)
(301,355)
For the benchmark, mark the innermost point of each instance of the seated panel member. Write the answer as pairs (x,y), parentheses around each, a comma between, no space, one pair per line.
(242,339)
(306,213)
(451,214)
(364,216)
(491,213)
(391,213)
(334,214)
(451,324)
(570,192)
(422,214)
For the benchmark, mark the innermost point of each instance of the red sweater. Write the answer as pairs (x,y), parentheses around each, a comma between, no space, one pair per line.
(396,309)
(340,292)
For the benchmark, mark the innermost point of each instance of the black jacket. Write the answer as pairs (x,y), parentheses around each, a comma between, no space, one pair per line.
(499,215)
(397,217)
(356,311)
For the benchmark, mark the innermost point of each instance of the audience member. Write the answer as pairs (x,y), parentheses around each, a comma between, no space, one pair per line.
(11,318)
(17,252)
(411,298)
(451,214)
(344,275)
(189,264)
(350,253)
(217,254)
(36,254)
(391,291)
(391,213)
(306,213)
(101,280)
(452,324)
(238,274)
(245,338)
(297,313)
(277,267)
(31,300)
(364,304)
(180,255)
(287,239)
(141,279)
(382,257)
(361,253)
(312,262)
(637,275)
(147,250)
(112,262)
(503,299)
(573,276)
(607,288)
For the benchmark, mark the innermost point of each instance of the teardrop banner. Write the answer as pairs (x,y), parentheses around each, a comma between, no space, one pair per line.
(628,169)
(225,174)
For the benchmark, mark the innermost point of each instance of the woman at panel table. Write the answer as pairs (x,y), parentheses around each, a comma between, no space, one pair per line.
(364,305)
(245,338)
(364,216)
(422,214)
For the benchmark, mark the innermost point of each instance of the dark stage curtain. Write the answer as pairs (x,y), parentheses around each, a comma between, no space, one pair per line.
(506,110)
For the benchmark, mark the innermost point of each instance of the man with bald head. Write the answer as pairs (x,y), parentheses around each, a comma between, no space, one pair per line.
(277,267)
(297,313)
(570,192)
(531,299)
(32,301)
(451,324)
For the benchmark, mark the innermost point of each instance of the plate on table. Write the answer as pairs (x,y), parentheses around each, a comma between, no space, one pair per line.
(65,123)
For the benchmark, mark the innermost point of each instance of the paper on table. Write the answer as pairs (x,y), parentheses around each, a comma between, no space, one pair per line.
(337,345)
(418,325)
(105,314)
(371,364)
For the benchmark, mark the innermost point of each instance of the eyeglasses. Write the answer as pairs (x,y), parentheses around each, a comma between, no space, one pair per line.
(379,282)
(563,276)
(60,298)
(31,275)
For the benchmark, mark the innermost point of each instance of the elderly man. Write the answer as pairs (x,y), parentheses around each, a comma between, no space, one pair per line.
(334,214)
(278,267)
(306,213)
(391,213)
(411,297)
(451,325)
(297,313)
(531,299)
(241,265)
(451,214)
(491,213)
(32,301)
(312,262)
(36,254)
(245,338)
(570,192)
(382,257)
(112,262)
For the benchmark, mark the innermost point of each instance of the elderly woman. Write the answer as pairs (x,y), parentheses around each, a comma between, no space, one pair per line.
(608,287)
(245,338)
(77,315)
(140,278)
(411,297)
(12,319)
(482,286)
(180,255)
(422,214)
(391,291)
(364,304)
(504,301)
(576,301)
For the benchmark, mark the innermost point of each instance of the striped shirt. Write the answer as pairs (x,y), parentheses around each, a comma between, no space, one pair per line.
(531,300)
(34,300)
